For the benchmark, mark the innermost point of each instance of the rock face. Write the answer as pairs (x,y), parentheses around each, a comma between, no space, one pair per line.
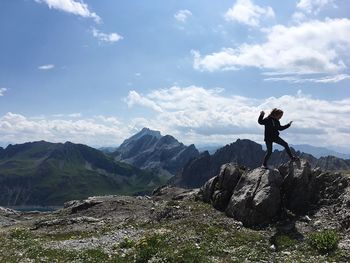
(226,181)
(148,149)
(258,196)
(299,187)
(246,153)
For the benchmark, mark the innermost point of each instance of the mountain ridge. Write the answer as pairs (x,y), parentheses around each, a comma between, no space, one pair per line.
(148,149)
(44,173)
(247,153)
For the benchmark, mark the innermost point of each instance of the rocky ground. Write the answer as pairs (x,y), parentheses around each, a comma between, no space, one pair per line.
(172,225)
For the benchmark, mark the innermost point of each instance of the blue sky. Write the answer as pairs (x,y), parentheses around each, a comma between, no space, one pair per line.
(96,72)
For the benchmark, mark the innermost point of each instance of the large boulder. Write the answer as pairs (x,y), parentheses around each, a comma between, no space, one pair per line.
(256,198)
(299,188)
(227,180)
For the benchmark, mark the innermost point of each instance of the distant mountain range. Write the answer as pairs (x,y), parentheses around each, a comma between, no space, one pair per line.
(249,154)
(148,149)
(43,173)
(306,148)
(320,151)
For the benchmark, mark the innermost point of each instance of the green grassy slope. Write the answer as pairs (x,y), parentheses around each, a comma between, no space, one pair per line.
(42,173)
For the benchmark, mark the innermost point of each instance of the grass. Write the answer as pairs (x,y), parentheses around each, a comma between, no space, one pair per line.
(189,239)
(284,242)
(324,241)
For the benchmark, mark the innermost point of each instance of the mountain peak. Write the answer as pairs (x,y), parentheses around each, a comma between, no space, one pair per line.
(148,149)
(145,131)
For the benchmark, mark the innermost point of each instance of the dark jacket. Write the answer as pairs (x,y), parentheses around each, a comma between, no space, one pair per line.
(272,126)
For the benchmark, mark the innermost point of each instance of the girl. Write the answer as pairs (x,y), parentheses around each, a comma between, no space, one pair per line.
(272,126)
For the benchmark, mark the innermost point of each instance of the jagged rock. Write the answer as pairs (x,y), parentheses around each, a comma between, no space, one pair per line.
(207,190)
(8,216)
(227,180)
(8,212)
(299,188)
(173,193)
(76,205)
(256,198)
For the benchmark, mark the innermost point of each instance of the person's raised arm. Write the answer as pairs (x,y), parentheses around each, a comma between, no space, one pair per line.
(261,119)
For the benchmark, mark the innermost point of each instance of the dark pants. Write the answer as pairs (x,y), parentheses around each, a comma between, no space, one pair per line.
(279,141)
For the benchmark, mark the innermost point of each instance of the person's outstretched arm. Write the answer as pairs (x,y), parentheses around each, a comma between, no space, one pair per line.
(261,119)
(283,127)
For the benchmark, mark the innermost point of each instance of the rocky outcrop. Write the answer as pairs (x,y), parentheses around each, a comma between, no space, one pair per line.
(79,205)
(259,196)
(150,150)
(8,216)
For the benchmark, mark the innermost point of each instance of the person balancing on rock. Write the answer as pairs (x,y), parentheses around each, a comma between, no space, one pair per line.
(272,128)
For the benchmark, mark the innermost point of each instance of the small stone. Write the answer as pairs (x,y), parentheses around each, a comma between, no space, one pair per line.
(317,223)
(273,247)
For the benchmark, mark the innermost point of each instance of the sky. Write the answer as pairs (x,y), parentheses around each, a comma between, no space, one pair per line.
(98,71)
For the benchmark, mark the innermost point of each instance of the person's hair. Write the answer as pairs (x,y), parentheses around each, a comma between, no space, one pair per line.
(275,112)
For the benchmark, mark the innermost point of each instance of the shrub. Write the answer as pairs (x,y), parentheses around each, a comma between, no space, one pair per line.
(325,241)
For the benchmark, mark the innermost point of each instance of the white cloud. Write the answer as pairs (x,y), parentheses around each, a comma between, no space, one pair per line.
(46,67)
(245,12)
(193,115)
(71,6)
(2,91)
(314,6)
(299,17)
(182,15)
(136,99)
(107,38)
(310,47)
(99,130)
(296,79)
(197,115)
